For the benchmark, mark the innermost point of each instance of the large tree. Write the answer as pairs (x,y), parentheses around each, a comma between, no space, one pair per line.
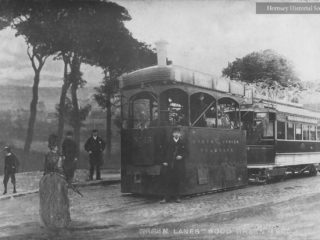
(83,27)
(82,32)
(29,19)
(265,66)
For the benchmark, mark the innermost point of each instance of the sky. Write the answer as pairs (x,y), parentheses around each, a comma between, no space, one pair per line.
(202,35)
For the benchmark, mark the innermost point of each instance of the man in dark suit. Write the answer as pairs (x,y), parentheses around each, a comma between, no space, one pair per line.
(11,164)
(95,146)
(70,155)
(173,166)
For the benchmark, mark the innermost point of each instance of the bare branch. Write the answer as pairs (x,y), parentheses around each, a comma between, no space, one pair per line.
(31,57)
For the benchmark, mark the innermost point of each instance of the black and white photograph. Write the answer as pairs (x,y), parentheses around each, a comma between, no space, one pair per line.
(159,119)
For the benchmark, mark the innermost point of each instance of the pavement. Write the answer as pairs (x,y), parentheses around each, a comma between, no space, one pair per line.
(28,182)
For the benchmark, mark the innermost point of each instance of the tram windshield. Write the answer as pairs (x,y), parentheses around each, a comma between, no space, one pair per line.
(259,126)
(144,111)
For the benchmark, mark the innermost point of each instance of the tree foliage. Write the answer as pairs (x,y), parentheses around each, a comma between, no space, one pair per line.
(266,66)
(130,55)
(78,32)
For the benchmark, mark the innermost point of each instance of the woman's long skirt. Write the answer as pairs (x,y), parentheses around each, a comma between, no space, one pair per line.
(54,201)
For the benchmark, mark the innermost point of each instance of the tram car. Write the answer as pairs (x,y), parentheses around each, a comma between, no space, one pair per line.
(282,139)
(157,99)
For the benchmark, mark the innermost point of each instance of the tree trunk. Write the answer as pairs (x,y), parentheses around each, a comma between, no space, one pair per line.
(108,78)
(62,103)
(108,126)
(33,111)
(76,114)
(75,81)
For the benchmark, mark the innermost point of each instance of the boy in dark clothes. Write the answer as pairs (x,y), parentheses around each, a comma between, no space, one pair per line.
(11,164)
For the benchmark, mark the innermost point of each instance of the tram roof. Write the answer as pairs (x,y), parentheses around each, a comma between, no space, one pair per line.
(183,75)
(280,107)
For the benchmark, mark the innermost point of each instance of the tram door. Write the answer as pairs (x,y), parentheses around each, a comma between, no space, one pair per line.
(260,128)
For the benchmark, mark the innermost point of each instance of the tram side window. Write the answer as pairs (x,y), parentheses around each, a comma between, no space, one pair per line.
(174,108)
(144,111)
(290,131)
(298,131)
(228,113)
(312,132)
(305,132)
(318,133)
(202,110)
(281,130)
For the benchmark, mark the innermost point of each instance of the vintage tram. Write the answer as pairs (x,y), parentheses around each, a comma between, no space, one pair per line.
(282,139)
(154,101)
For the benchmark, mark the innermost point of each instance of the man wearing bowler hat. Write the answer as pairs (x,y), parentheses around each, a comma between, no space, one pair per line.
(11,164)
(95,146)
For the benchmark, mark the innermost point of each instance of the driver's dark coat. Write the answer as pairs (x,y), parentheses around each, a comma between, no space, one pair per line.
(174,149)
(174,172)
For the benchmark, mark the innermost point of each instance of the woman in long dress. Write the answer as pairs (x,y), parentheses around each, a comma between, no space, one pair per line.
(53,190)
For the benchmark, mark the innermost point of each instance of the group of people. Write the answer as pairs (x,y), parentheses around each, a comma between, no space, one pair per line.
(59,169)
(64,162)
(95,145)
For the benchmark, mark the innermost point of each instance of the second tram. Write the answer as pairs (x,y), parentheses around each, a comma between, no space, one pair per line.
(282,139)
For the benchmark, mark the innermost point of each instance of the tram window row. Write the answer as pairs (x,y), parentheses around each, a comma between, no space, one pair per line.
(297,131)
(178,108)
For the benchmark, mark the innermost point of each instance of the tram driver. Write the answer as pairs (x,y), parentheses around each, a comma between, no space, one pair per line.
(173,166)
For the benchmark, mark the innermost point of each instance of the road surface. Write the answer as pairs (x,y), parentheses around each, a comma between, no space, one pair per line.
(283,210)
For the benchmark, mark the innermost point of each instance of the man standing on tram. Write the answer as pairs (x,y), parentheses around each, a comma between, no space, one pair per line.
(173,166)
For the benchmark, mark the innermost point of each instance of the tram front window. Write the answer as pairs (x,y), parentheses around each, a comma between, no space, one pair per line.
(264,122)
(174,108)
(144,111)
(203,110)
